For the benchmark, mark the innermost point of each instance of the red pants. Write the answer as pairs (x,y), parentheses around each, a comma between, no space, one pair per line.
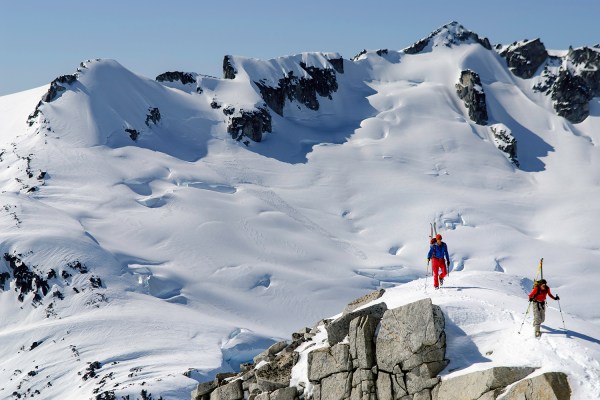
(436,264)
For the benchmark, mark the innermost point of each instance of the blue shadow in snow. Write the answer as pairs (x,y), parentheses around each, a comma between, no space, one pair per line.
(460,349)
(530,147)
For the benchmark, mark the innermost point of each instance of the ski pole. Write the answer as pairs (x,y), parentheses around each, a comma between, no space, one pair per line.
(426,274)
(561,315)
(525,317)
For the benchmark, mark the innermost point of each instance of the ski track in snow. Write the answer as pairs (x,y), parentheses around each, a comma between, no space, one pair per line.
(275,201)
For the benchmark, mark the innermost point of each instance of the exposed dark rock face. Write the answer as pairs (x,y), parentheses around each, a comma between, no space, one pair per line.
(359,55)
(322,81)
(176,76)
(133,134)
(548,76)
(229,71)
(229,110)
(53,93)
(250,123)
(588,66)
(524,58)
(274,97)
(36,113)
(337,64)
(4,277)
(153,116)
(56,88)
(470,90)
(453,34)
(572,82)
(29,279)
(571,96)
(26,280)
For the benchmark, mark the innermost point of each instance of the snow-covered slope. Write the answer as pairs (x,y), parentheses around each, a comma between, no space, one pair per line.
(145,249)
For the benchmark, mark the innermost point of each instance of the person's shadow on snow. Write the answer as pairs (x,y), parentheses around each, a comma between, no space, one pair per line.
(569,333)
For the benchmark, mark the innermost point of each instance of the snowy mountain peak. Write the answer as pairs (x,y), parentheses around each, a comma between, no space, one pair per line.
(213,216)
(451,34)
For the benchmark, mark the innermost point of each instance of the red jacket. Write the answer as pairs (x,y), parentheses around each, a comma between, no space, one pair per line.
(539,294)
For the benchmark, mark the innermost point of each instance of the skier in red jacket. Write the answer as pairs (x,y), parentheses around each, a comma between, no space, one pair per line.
(538,299)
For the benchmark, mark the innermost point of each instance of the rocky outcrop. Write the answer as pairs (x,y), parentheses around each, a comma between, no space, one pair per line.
(577,82)
(449,35)
(548,386)
(249,123)
(153,116)
(176,76)
(186,81)
(505,141)
(54,91)
(486,384)
(56,87)
(337,330)
(571,81)
(361,301)
(134,134)
(470,90)
(229,71)
(524,58)
(320,81)
(571,97)
(31,283)
(396,354)
(586,61)
(337,64)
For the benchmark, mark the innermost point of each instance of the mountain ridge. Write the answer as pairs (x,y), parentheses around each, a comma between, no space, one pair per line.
(183,235)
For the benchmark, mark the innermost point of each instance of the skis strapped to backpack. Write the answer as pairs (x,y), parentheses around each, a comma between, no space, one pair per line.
(432,232)
(540,273)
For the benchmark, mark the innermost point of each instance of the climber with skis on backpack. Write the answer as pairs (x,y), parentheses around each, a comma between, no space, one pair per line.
(537,297)
(439,253)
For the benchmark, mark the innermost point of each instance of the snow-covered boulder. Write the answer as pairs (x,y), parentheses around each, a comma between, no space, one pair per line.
(505,141)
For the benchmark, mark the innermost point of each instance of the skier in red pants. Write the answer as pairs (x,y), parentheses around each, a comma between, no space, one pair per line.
(438,251)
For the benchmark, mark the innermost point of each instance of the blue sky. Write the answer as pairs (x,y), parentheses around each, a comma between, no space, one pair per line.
(41,39)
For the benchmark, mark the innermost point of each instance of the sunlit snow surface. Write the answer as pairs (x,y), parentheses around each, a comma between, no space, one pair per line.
(209,250)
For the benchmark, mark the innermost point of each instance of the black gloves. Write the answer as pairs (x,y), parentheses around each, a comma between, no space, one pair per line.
(556,298)
(530,299)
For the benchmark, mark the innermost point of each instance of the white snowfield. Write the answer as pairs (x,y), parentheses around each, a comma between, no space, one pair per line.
(208,250)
